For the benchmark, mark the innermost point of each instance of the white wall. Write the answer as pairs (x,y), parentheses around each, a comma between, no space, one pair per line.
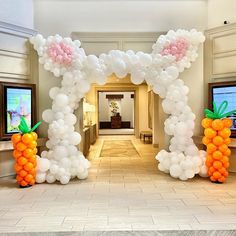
(219,11)
(17,12)
(126,107)
(65,16)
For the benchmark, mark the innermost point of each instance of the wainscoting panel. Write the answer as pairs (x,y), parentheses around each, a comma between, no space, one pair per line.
(16,62)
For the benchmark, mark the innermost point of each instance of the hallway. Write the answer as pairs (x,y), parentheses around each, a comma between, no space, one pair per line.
(121,193)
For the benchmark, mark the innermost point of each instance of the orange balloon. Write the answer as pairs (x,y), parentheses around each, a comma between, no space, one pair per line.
(16,138)
(222,170)
(208,163)
(212,169)
(209,160)
(225,133)
(28,166)
(210,133)
(32,159)
(206,140)
(17,154)
(22,161)
(217,175)
(209,173)
(213,179)
(217,155)
(32,171)
(18,178)
(221,179)
(21,146)
(223,148)
(32,182)
(28,178)
(217,124)
(224,159)
(23,183)
(35,136)
(35,150)
(18,168)
(206,123)
(28,152)
(217,164)
(226,174)
(227,152)
(218,140)
(32,144)
(227,141)
(227,122)
(23,173)
(211,148)
(226,165)
(27,138)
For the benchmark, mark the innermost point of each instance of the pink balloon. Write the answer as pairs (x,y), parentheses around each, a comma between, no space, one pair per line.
(177,49)
(60,53)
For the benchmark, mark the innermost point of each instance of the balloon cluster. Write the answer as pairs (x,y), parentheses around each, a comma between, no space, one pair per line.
(25,150)
(177,49)
(217,138)
(172,53)
(60,53)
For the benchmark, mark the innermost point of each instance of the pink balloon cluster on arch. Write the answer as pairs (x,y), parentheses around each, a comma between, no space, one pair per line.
(177,48)
(61,53)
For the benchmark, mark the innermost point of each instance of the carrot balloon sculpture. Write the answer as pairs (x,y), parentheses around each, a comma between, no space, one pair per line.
(25,150)
(217,138)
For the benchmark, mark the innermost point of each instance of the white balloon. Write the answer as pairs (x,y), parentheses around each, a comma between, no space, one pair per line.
(53,92)
(61,100)
(48,115)
(83,175)
(43,164)
(65,179)
(74,138)
(50,178)
(175,171)
(40,177)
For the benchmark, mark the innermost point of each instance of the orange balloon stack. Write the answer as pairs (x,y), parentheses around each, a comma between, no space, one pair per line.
(217,138)
(25,156)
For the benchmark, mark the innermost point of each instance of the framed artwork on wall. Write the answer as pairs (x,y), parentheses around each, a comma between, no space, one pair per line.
(16,100)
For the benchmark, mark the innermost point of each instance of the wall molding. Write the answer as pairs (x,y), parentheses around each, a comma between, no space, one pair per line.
(16,53)
(97,42)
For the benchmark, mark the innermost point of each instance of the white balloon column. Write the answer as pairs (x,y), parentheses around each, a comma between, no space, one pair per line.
(172,53)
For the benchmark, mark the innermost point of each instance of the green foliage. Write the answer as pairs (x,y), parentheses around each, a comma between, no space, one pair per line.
(24,128)
(218,113)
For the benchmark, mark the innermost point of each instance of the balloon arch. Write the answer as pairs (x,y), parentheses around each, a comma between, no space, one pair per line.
(171,54)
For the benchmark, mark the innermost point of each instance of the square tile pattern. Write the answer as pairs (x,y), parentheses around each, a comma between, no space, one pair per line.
(122,192)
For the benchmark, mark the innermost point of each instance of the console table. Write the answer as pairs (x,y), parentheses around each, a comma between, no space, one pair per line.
(115,122)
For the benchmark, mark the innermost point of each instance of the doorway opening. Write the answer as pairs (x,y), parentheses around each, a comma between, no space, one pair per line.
(116,112)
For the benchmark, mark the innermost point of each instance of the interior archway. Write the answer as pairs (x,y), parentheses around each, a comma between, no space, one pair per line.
(171,54)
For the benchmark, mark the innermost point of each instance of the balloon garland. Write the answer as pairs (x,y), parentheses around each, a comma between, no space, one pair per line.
(25,150)
(171,54)
(217,138)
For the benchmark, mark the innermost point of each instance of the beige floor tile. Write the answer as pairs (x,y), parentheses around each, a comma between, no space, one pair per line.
(41,221)
(123,192)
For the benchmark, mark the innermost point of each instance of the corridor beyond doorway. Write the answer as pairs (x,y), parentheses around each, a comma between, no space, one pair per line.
(116,112)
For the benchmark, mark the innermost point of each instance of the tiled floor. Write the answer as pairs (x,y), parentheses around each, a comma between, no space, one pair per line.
(121,193)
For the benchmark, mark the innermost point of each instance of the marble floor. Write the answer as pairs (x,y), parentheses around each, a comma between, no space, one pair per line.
(121,194)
